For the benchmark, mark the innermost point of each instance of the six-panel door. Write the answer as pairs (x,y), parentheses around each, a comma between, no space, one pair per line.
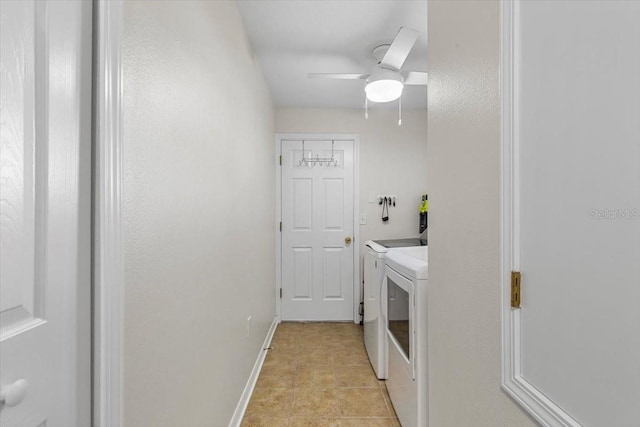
(317,225)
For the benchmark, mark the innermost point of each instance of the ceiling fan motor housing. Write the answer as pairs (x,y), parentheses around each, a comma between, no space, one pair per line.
(378,52)
(384,85)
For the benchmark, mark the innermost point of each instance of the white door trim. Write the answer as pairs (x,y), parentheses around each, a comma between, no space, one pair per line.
(534,401)
(108,273)
(357,287)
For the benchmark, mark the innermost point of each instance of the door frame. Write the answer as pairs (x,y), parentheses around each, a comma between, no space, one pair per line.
(536,403)
(356,209)
(108,249)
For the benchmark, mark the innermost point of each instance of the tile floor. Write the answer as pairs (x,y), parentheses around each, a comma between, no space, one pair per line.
(318,375)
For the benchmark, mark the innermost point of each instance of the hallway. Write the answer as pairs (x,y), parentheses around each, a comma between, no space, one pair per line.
(318,374)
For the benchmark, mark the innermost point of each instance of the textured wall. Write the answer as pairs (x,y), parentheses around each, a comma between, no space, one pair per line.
(392,160)
(464,237)
(199,212)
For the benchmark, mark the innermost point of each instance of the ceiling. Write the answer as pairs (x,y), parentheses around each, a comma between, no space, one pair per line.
(292,38)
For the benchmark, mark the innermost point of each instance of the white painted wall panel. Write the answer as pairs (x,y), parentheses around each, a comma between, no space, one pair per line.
(45,210)
(302,203)
(334,203)
(198,212)
(17,164)
(577,80)
(302,273)
(332,279)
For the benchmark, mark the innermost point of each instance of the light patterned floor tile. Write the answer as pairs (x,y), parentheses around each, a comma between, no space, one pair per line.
(317,374)
(361,402)
(365,422)
(387,401)
(312,422)
(350,356)
(276,376)
(270,402)
(261,421)
(315,402)
(355,376)
(317,357)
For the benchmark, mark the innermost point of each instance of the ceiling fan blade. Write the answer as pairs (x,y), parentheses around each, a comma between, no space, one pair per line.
(337,76)
(415,78)
(400,48)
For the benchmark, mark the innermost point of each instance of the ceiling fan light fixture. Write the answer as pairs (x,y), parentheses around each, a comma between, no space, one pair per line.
(384,86)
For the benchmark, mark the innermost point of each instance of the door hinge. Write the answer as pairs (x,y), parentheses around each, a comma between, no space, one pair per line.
(280,225)
(280,159)
(280,293)
(515,289)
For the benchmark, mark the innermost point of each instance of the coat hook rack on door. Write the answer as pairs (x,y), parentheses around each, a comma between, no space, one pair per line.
(321,161)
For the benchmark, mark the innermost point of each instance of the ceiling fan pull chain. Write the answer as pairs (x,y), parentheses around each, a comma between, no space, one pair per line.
(366,107)
(400,111)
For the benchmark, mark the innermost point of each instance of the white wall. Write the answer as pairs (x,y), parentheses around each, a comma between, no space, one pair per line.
(392,160)
(464,236)
(199,212)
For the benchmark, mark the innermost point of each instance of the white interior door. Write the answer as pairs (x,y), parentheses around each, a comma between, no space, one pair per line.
(572,175)
(317,228)
(45,208)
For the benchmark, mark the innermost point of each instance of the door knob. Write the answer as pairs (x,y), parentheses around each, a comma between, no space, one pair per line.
(347,240)
(13,394)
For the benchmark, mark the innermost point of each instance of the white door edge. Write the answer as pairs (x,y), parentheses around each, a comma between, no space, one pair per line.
(108,243)
(542,409)
(357,288)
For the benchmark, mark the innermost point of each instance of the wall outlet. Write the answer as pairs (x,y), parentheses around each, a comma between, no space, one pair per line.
(248,326)
(363,218)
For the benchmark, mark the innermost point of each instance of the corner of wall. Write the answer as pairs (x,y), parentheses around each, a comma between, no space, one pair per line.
(464,240)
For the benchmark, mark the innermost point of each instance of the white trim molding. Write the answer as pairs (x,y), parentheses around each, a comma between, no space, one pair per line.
(241,408)
(357,283)
(278,219)
(534,401)
(108,242)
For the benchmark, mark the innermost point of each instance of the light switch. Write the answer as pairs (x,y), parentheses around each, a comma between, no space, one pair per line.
(363,218)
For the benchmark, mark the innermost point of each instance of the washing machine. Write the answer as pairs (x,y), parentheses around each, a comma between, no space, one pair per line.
(374,324)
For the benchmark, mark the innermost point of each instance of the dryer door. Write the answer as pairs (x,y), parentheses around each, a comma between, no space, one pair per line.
(400,304)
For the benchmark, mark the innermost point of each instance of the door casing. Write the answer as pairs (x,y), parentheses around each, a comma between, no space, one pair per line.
(108,250)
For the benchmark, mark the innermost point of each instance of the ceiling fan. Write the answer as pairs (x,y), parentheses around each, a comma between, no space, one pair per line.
(386,80)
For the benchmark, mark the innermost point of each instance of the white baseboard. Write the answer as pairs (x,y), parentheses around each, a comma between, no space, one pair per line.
(236,420)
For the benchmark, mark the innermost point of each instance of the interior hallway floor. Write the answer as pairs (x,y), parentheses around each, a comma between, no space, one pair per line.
(318,375)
